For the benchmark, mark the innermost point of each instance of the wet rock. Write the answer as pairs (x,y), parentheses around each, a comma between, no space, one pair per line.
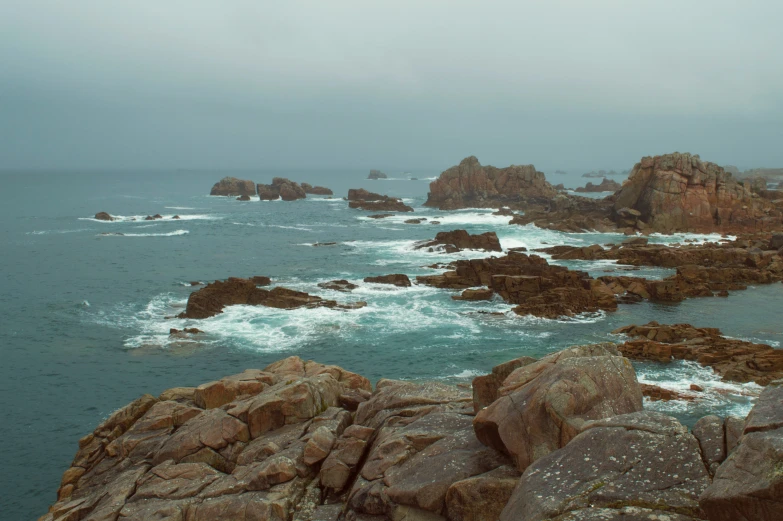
(338,285)
(153,217)
(316,190)
(414,221)
(231,186)
(460,239)
(397,279)
(656,393)
(380,216)
(103,216)
(281,188)
(474,294)
(243,198)
(543,405)
(361,199)
(626,467)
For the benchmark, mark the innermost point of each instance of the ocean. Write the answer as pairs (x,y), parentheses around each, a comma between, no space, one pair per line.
(84,303)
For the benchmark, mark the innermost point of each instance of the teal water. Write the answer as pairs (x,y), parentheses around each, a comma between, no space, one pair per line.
(84,326)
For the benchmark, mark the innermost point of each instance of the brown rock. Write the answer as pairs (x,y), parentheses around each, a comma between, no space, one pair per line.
(474,294)
(316,190)
(103,216)
(460,239)
(485,388)
(606,185)
(397,279)
(243,198)
(282,188)
(231,186)
(338,285)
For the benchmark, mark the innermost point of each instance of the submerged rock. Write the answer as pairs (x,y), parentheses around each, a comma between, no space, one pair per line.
(461,239)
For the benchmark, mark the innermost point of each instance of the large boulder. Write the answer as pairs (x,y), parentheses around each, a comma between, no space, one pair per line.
(316,190)
(103,216)
(461,240)
(632,467)
(281,188)
(749,484)
(680,192)
(470,184)
(543,405)
(233,187)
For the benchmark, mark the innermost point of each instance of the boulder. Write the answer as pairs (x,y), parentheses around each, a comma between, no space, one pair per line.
(637,466)
(749,483)
(376,174)
(316,190)
(543,405)
(338,285)
(281,188)
(397,279)
(461,239)
(472,185)
(103,216)
(231,186)
(243,198)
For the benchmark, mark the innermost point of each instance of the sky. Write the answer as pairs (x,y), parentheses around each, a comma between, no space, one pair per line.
(562,84)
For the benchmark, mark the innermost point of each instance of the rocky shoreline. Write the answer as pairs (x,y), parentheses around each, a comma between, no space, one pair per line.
(563,437)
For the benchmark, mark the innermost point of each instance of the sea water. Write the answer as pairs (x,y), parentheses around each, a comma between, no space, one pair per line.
(85,304)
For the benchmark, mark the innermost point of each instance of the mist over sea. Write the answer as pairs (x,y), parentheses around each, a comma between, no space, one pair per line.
(84,302)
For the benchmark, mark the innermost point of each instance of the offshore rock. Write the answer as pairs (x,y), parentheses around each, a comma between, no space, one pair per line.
(282,188)
(361,199)
(681,193)
(397,279)
(212,298)
(316,190)
(103,216)
(472,185)
(607,185)
(376,174)
(462,240)
(232,186)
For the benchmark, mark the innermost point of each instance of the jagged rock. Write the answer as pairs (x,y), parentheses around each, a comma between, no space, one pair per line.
(472,185)
(153,217)
(103,216)
(282,188)
(679,192)
(376,174)
(543,405)
(338,285)
(461,239)
(361,199)
(316,190)
(474,294)
(397,279)
(656,393)
(485,388)
(212,298)
(232,186)
(637,466)
(711,433)
(735,360)
(606,185)
(749,484)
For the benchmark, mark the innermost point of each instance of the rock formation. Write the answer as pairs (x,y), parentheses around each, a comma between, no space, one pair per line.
(528,281)
(607,185)
(361,199)
(680,192)
(243,198)
(233,187)
(376,174)
(734,360)
(472,185)
(397,279)
(316,190)
(457,240)
(282,188)
(212,298)
(103,216)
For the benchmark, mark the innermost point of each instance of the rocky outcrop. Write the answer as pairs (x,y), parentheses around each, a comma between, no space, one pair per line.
(749,484)
(316,190)
(735,360)
(376,174)
(212,298)
(637,466)
(545,404)
(680,192)
(528,281)
(398,279)
(243,198)
(232,186)
(281,188)
(457,240)
(361,199)
(607,185)
(571,214)
(338,285)
(470,184)
(103,216)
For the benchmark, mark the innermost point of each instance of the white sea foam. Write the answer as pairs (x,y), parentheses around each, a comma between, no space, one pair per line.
(168,234)
(142,218)
(182,208)
(48,232)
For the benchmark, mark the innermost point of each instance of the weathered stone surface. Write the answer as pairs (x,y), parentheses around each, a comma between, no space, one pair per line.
(225,390)
(485,388)
(680,192)
(644,460)
(710,432)
(472,185)
(749,484)
(462,240)
(543,405)
(482,497)
(396,279)
(232,186)
(338,285)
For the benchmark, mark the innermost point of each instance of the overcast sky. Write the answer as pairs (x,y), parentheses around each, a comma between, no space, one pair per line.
(574,84)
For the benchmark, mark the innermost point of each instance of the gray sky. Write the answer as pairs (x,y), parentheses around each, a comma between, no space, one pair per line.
(233,83)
